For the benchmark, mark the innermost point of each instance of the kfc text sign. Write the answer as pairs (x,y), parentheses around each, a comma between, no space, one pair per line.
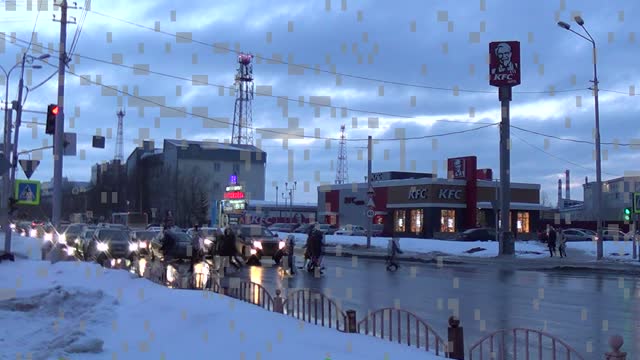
(504,67)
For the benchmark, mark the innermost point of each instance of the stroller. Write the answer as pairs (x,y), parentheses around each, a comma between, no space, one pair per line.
(393,249)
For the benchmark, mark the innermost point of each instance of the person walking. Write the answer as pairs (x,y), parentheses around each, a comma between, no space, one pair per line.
(552,240)
(562,244)
(229,239)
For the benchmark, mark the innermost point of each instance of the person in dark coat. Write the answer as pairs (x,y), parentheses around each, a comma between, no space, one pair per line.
(552,240)
(229,239)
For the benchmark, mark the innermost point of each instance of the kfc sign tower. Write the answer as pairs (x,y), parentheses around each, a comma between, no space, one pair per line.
(504,73)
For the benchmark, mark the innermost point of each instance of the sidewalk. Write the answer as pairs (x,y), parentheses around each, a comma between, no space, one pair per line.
(575,260)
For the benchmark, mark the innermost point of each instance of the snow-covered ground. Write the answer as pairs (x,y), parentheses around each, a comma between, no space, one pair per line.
(23,246)
(615,250)
(81,311)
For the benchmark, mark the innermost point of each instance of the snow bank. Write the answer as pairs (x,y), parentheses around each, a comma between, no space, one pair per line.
(613,250)
(527,249)
(72,307)
(23,246)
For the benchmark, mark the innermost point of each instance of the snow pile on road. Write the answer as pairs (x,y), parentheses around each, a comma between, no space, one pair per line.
(69,307)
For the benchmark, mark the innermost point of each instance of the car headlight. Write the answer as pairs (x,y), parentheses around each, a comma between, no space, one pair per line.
(48,237)
(62,237)
(281,245)
(70,250)
(133,247)
(142,244)
(208,242)
(257,245)
(12,226)
(102,246)
(33,233)
(254,251)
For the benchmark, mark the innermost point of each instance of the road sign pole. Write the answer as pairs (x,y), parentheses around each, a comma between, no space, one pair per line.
(369,155)
(6,179)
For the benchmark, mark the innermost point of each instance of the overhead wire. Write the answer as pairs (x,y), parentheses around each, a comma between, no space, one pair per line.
(306,67)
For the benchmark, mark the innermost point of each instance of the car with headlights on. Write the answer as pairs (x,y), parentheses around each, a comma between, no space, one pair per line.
(171,245)
(143,239)
(111,247)
(256,241)
(209,234)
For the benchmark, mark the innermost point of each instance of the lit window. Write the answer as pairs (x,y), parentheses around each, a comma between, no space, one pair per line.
(416,221)
(447,220)
(523,222)
(399,223)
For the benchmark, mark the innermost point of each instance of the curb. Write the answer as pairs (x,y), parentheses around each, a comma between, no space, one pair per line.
(528,265)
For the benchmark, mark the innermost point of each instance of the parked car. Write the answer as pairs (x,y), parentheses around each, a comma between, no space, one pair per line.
(351,230)
(326,229)
(611,235)
(111,247)
(579,235)
(255,241)
(477,234)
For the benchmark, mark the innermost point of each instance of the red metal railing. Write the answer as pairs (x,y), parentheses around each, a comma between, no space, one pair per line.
(252,293)
(409,329)
(316,308)
(541,346)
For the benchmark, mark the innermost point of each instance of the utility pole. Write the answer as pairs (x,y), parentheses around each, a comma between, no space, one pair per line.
(370,192)
(58,137)
(290,191)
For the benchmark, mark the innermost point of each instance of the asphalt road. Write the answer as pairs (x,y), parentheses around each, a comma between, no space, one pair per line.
(583,309)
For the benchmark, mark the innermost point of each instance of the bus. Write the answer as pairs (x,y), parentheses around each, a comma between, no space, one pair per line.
(132,220)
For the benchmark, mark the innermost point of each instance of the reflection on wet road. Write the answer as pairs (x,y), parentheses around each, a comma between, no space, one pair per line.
(581,308)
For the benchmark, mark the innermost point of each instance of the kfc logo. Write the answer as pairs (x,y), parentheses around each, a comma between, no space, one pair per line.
(458,168)
(504,68)
(416,194)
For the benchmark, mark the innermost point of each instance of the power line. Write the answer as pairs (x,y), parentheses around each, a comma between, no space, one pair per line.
(571,140)
(557,157)
(359,77)
(341,108)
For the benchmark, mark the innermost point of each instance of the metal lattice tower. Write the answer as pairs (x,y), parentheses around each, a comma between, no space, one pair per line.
(342,174)
(120,137)
(242,132)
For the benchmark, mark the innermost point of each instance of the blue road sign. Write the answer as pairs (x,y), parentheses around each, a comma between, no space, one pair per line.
(27,192)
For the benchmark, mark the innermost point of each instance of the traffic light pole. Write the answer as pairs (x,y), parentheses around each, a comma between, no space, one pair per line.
(58,137)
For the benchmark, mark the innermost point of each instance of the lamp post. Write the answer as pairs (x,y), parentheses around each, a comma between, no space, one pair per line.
(291,190)
(9,181)
(4,197)
(598,207)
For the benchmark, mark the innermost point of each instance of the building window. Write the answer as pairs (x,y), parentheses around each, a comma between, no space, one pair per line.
(417,217)
(447,220)
(216,166)
(482,218)
(236,168)
(523,222)
(399,221)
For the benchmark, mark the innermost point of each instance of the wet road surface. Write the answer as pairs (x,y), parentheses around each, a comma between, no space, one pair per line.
(583,309)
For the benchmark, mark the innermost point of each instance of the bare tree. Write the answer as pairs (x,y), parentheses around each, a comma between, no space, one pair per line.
(193,203)
(544,199)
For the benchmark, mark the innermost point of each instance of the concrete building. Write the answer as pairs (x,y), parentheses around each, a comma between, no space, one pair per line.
(616,195)
(187,177)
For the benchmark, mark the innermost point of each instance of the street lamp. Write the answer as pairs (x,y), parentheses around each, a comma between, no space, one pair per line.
(8,182)
(598,207)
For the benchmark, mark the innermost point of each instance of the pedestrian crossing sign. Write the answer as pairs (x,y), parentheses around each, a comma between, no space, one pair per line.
(27,192)
(636,202)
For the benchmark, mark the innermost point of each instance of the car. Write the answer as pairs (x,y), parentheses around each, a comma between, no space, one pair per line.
(143,238)
(614,235)
(579,235)
(82,241)
(255,241)
(302,229)
(111,247)
(209,234)
(72,233)
(326,229)
(283,227)
(477,234)
(351,230)
(181,249)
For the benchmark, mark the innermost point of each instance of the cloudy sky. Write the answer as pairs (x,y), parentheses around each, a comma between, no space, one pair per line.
(411,70)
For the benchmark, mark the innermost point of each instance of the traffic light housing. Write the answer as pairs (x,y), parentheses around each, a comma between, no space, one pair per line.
(627,214)
(52,114)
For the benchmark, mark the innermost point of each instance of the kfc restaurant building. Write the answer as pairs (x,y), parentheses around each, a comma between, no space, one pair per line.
(419,205)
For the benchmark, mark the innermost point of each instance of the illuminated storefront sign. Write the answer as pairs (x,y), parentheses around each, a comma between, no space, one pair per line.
(233,188)
(234,195)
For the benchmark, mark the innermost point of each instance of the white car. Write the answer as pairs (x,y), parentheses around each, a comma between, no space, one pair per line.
(351,230)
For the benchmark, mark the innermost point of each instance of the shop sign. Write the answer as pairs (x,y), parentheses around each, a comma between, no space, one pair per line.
(450,194)
(416,193)
(234,195)
(234,188)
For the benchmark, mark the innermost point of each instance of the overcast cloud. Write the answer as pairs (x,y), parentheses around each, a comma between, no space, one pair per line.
(394,41)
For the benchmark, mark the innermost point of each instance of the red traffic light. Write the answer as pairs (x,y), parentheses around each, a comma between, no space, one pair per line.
(54,110)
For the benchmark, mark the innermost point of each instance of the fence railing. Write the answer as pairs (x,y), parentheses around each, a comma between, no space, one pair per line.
(532,344)
(404,327)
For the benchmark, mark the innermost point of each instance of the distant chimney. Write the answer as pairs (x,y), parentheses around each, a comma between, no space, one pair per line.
(567,185)
(559,193)
(586,180)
